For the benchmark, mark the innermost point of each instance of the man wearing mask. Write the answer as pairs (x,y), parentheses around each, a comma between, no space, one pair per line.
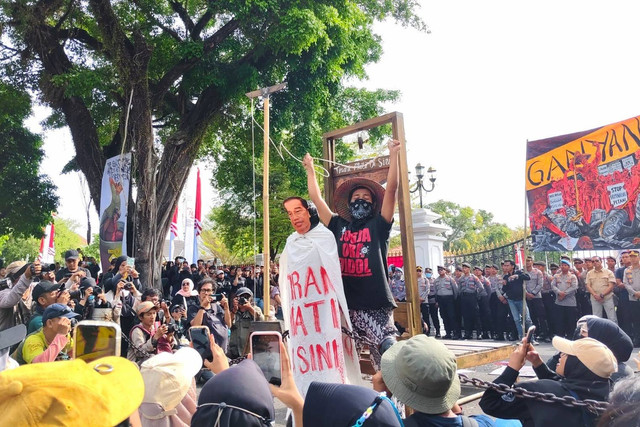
(361,229)
(311,251)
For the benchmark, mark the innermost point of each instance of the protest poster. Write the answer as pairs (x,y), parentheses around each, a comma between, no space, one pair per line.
(116,181)
(315,310)
(583,188)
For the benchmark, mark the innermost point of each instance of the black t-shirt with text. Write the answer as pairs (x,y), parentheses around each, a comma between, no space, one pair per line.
(363,262)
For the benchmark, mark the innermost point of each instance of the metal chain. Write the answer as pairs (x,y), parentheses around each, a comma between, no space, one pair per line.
(140,351)
(593,406)
(359,339)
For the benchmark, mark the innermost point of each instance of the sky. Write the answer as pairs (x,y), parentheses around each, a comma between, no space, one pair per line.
(490,76)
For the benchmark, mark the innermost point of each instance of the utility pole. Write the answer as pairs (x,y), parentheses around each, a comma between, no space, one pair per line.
(265,93)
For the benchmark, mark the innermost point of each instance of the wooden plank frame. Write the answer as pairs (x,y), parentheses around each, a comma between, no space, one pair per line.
(404,204)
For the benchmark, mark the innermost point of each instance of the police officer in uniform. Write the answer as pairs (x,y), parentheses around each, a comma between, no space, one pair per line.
(469,287)
(446,291)
(483,303)
(433,304)
(498,304)
(548,297)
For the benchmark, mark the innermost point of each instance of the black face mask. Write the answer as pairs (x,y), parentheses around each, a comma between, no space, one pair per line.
(360,209)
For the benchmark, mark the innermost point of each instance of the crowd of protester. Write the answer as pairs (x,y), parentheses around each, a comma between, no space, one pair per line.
(156,386)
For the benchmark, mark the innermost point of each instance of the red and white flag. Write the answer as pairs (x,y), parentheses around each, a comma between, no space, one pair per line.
(519,256)
(173,232)
(197,222)
(47,246)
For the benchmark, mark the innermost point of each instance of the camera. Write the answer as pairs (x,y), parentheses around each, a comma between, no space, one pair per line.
(242,300)
(128,286)
(217,297)
(171,328)
(48,267)
(4,284)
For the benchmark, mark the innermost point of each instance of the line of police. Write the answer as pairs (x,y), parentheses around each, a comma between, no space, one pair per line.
(479,299)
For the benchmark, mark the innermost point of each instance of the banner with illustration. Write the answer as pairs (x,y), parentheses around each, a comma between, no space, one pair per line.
(116,181)
(583,188)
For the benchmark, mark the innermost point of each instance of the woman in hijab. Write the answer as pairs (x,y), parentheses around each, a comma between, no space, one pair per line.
(186,296)
(584,372)
(608,333)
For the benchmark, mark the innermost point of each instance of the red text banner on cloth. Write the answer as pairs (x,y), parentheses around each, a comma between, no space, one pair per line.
(583,188)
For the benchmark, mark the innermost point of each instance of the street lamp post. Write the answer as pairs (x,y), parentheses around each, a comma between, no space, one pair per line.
(419,187)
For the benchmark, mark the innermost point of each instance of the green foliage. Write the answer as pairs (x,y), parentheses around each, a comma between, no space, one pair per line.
(28,198)
(470,228)
(15,247)
(233,219)
(66,237)
(93,250)
(185,66)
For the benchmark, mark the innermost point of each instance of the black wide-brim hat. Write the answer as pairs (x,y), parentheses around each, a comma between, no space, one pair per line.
(341,196)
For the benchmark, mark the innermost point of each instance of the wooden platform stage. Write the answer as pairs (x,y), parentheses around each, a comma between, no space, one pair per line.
(469,353)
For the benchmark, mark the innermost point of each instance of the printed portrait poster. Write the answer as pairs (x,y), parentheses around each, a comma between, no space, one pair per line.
(116,181)
(583,189)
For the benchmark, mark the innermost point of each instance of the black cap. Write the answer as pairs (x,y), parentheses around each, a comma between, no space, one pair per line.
(540,263)
(176,307)
(428,269)
(495,266)
(71,254)
(578,260)
(87,282)
(553,265)
(43,287)
(464,264)
(477,267)
(458,268)
(441,268)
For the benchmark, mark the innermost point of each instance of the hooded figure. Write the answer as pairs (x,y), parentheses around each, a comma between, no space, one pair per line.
(239,396)
(608,333)
(583,372)
(617,340)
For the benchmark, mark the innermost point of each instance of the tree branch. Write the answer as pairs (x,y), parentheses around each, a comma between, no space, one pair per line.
(172,33)
(183,14)
(184,65)
(115,40)
(202,22)
(83,37)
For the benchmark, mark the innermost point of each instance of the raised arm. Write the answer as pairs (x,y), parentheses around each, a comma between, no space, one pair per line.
(324,212)
(389,200)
